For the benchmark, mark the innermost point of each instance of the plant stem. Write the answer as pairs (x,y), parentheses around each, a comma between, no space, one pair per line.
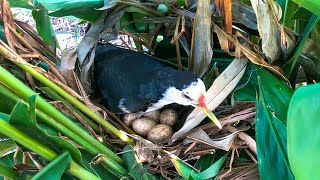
(52,123)
(8,53)
(57,97)
(25,92)
(7,172)
(25,140)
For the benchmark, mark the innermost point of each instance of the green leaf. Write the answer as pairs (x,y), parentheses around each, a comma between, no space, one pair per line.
(288,67)
(109,4)
(311,5)
(7,172)
(276,93)
(6,145)
(19,4)
(102,172)
(55,168)
(23,118)
(88,13)
(5,116)
(8,159)
(272,104)
(247,87)
(137,171)
(303,132)
(43,24)
(59,4)
(188,173)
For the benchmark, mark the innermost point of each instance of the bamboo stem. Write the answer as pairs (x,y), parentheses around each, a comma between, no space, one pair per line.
(25,92)
(52,123)
(25,140)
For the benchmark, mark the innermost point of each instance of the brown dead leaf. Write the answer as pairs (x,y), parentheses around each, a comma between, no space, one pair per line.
(252,56)
(6,16)
(225,11)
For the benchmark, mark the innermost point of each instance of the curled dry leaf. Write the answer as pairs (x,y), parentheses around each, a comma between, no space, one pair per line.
(255,58)
(275,41)
(200,136)
(6,16)
(219,90)
(67,65)
(268,14)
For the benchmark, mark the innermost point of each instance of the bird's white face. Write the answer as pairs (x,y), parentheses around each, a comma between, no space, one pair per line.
(191,94)
(188,96)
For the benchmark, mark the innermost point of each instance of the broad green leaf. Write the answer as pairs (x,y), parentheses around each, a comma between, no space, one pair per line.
(43,24)
(23,118)
(214,169)
(137,170)
(7,172)
(303,132)
(55,168)
(5,117)
(19,4)
(276,93)
(88,13)
(109,4)
(188,173)
(272,104)
(59,4)
(311,5)
(204,162)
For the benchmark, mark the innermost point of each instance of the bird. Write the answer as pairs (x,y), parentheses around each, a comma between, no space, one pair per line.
(132,82)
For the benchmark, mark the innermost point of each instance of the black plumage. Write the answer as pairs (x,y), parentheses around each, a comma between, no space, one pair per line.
(132,79)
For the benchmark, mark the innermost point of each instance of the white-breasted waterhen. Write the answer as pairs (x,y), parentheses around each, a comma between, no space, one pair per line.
(129,81)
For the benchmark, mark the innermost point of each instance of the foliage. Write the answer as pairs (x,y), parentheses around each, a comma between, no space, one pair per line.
(303,134)
(279,38)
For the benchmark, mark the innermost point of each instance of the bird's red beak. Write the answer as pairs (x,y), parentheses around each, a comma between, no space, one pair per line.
(203,107)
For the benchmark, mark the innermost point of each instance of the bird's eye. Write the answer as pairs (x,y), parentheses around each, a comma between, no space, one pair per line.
(187,97)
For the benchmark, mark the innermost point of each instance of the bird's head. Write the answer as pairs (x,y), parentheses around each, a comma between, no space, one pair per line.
(194,95)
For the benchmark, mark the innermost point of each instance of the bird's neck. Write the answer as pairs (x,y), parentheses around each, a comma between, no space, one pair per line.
(168,97)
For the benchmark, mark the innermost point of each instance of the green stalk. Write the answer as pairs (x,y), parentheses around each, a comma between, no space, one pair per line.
(109,163)
(35,146)
(25,92)
(74,101)
(7,172)
(56,97)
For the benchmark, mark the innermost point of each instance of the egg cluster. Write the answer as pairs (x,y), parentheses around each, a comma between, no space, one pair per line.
(155,125)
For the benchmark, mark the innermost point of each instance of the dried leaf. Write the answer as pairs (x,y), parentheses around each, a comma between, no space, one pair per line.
(219,90)
(252,56)
(200,136)
(275,42)
(144,154)
(6,16)
(201,51)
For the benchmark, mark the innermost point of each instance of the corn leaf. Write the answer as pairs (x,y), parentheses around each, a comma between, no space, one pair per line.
(303,132)
(271,136)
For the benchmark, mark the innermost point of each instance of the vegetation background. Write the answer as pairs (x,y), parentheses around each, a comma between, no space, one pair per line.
(258,58)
